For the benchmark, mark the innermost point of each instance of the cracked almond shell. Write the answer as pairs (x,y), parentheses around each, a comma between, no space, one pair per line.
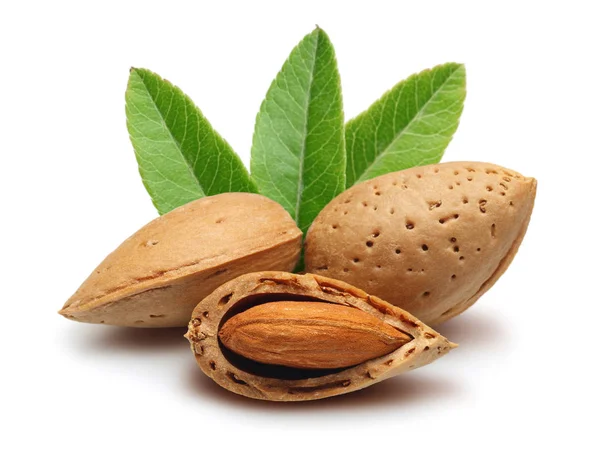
(271,382)
(430,239)
(157,276)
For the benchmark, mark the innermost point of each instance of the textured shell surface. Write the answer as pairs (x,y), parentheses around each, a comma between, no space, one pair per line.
(157,276)
(430,239)
(277,383)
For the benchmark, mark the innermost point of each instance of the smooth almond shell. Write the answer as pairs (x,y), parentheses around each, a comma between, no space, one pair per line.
(157,276)
(430,239)
(270,382)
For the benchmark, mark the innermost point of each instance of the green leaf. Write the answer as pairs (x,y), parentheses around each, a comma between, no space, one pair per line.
(180,157)
(298,156)
(410,125)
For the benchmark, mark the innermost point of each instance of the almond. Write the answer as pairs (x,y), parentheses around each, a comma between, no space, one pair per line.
(315,337)
(429,239)
(158,275)
(309,335)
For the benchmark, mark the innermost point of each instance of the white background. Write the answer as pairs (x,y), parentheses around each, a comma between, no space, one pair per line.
(524,377)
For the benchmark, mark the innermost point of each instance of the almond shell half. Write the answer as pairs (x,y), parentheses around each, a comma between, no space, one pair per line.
(275,383)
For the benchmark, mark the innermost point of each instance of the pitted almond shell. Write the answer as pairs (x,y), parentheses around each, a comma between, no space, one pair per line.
(277,383)
(157,276)
(430,239)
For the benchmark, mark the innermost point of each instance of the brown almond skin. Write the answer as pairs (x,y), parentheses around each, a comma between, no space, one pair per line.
(430,239)
(158,275)
(279,383)
(309,335)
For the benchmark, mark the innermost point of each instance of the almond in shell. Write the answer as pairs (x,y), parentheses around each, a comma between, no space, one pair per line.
(431,240)
(304,337)
(157,276)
